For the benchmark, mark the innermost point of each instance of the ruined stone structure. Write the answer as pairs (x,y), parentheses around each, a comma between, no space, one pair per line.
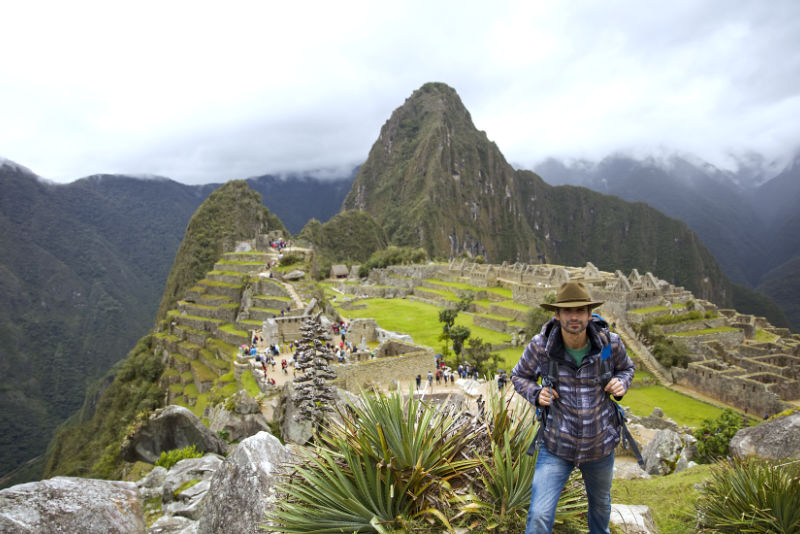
(728,364)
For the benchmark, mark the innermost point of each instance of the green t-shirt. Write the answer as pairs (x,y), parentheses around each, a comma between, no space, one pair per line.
(579,354)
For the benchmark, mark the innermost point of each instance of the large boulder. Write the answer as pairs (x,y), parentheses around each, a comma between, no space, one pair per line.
(244,420)
(776,439)
(67,504)
(243,488)
(294,427)
(662,454)
(173,427)
(176,498)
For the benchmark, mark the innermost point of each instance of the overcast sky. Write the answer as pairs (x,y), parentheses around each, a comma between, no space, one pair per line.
(210,91)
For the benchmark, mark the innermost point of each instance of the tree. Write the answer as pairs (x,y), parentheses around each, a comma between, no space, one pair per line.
(459,334)
(314,394)
(479,354)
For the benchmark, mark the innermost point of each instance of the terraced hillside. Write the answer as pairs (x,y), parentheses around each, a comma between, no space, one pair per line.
(217,316)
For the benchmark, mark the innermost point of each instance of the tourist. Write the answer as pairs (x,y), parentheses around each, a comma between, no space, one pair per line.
(430,379)
(419,381)
(580,363)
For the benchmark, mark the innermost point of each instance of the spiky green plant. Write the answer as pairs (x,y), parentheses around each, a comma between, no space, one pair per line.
(752,496)
(387,462)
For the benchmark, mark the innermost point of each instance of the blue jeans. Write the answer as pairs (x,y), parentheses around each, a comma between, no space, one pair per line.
(549,478)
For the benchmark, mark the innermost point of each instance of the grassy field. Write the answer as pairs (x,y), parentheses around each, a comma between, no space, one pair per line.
(678,407)
(419,320)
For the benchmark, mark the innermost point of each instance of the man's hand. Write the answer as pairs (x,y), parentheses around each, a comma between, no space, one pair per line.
(546,396)
(615,387)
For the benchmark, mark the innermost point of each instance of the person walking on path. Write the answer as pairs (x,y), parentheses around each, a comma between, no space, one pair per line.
(581,365)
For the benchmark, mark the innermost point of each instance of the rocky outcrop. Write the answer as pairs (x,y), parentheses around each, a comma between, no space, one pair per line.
(186,484)
(243,489)
(245,420)
(668,452)
(173,427)
(294,427)
(66,504)
(776,439)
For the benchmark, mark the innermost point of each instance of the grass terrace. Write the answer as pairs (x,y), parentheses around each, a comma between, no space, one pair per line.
(765,337)
(229,328)
(219,284)
(654,309)
(705,331)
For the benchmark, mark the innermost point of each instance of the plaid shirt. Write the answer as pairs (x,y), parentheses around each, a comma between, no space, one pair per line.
(581,423)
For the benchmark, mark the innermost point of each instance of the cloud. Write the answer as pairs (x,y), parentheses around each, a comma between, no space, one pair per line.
(200,92)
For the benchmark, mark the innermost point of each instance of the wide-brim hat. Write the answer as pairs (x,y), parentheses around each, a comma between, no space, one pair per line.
(571,295)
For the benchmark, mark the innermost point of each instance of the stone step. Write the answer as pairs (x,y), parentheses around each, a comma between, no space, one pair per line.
(196,322)
(179,362)
(228,277)
(271,302)
(232,336)
(203,376)
(261,257)
(226,312)
(189,350)
(218,366)
(224,289)
(262,314)
(212,300)
(240,267)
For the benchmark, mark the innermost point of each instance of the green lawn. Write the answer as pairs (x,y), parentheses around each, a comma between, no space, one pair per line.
(678,407)
(419,320)
(653,309)
(765,337)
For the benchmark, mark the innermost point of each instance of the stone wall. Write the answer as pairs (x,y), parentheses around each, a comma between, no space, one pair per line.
(729,339)
(362,329)
(405,367)
(730,384)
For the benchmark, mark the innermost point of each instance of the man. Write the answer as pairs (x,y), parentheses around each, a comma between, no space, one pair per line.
(581,364)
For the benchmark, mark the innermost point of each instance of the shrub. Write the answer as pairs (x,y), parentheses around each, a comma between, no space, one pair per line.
(714,435)
(290,259)
(170,458)
(671,353)
(751,496)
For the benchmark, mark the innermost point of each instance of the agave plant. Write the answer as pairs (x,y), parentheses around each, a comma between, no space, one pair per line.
(390,460)
(751,496)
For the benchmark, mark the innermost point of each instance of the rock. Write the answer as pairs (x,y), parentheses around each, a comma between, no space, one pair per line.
(775,439)
(662,453)
(168,524)
(67,504)
(150,486)
(633,519)
(188,502)
(245,421)
(294,428)
(173,427)
(243,489)
(628,469)
(188,470)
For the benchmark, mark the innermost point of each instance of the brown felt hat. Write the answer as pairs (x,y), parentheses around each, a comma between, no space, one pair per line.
(571,295)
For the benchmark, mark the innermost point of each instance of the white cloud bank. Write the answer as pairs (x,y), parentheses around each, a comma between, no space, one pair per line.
(204,91)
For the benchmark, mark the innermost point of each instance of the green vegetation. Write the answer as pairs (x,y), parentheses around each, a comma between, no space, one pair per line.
(714,435)
(678,407)
(392,256)
(249,384)
(230,213)
(705,331)
(654,309)
(91,448)
(752,496)
(172,457)
(764,336)
(671,499)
